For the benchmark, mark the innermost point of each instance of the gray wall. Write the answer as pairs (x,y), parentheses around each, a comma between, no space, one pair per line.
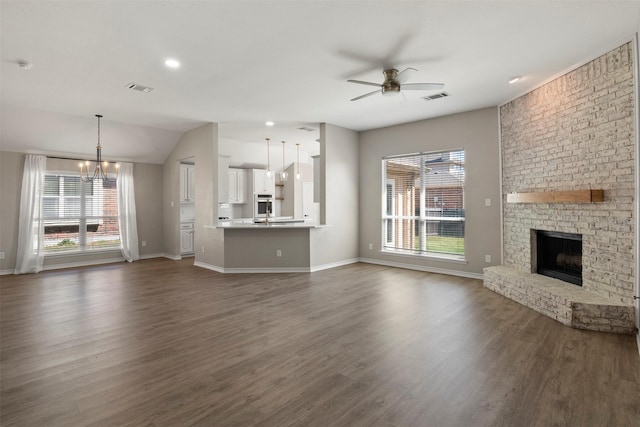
(256,249)
(201,146)
(11,166)
(338,242)
(477,133)
(147,180)
(148,188)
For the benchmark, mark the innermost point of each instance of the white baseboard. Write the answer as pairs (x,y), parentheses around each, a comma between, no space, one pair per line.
(149,256)
(423,268)
(172,257)
(274,269)
(334,264)
(251,270)
(82,263)
(5,272)
(268,270)
(208,266)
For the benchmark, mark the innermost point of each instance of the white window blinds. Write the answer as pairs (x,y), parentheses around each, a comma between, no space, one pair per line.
(423,203)
(79,216)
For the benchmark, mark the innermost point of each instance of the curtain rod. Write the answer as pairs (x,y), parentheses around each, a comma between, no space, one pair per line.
(82,160)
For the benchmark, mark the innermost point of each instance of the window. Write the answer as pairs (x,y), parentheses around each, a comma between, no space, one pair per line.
(79,216)
(423,204)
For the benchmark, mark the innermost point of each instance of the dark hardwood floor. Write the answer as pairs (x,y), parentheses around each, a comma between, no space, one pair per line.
(163,343)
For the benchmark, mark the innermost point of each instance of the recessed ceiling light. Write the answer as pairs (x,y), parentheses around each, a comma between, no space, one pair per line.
(514,79)
(172,63)
(269,123)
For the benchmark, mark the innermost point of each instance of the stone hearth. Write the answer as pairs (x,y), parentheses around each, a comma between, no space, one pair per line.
(564,302)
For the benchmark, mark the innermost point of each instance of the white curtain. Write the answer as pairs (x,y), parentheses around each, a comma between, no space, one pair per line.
(30,256)
(127,213)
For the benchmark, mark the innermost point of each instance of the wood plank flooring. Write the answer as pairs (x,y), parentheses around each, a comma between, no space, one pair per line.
(163,343)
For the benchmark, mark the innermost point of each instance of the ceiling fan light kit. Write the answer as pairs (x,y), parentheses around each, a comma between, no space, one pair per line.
(394,82)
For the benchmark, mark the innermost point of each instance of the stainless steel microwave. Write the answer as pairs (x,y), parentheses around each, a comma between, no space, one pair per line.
(263,205)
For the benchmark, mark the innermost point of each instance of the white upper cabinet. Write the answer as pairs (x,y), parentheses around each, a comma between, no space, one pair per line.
(237,185)
(187,183)
(262,184)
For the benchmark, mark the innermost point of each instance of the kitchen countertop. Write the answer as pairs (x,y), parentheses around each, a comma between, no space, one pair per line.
(280,225)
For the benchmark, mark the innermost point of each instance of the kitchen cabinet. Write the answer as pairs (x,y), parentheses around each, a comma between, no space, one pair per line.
(262,184)
(237,185)
(186,238)
(187,183)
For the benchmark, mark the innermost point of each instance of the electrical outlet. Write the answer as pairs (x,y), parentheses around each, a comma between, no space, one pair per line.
(172,203)
(487,258)
(203,249)
(487,202)
(1,255)
(370,246)
(144,243)
(278,252)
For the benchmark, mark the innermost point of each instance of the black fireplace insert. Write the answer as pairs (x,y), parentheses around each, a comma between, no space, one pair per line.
(559,255)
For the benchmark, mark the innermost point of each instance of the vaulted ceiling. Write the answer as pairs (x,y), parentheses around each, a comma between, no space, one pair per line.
(245,62)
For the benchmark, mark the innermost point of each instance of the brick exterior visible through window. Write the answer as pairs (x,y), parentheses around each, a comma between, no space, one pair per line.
(436,225)
(79,216)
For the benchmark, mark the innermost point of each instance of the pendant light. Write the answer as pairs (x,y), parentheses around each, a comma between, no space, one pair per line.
(283,175)
(269,173)
(102,167)
(298,161)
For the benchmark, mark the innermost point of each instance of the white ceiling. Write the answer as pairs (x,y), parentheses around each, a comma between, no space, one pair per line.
(244,62)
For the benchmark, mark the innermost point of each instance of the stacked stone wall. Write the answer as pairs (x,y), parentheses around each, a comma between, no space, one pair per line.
(576,132)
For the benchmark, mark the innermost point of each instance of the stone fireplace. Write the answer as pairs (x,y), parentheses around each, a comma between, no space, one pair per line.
(573,133)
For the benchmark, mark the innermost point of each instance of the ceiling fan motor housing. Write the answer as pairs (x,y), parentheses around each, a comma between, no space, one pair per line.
(390,86)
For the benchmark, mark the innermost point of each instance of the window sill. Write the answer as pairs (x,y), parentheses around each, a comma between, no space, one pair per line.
(429,255)
(81,253)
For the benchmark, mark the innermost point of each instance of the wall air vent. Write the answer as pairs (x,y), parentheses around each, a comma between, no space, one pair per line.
(308,129)
(436,96)
(139,88)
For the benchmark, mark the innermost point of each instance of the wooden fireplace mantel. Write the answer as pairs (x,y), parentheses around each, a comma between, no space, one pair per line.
(572,196)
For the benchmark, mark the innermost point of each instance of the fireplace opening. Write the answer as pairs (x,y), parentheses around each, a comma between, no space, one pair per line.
(559,255)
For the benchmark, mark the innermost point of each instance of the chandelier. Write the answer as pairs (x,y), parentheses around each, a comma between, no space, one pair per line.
(102,167)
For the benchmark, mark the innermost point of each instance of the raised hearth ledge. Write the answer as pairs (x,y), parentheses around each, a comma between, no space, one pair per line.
(564,302)
(572,196)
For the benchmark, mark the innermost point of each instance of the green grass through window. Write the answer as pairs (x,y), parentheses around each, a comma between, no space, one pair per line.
(444,244)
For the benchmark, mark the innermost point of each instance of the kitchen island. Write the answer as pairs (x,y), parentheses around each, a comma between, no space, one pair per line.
(276,247)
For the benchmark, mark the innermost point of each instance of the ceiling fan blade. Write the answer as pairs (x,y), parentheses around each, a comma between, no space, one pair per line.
(405,75)
(360,82)
(365,95)
(422,86)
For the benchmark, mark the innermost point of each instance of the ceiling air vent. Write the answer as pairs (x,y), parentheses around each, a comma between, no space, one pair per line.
(308,129)
(139,88)
(436,96)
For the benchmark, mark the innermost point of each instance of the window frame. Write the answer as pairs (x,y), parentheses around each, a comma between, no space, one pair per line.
(89,204)
(420,220)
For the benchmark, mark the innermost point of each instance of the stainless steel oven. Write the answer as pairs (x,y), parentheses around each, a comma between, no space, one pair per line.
(263,206)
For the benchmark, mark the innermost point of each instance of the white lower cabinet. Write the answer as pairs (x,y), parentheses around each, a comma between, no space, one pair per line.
(186,238)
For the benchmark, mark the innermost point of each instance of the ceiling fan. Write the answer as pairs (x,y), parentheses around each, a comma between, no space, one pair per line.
(394,82)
